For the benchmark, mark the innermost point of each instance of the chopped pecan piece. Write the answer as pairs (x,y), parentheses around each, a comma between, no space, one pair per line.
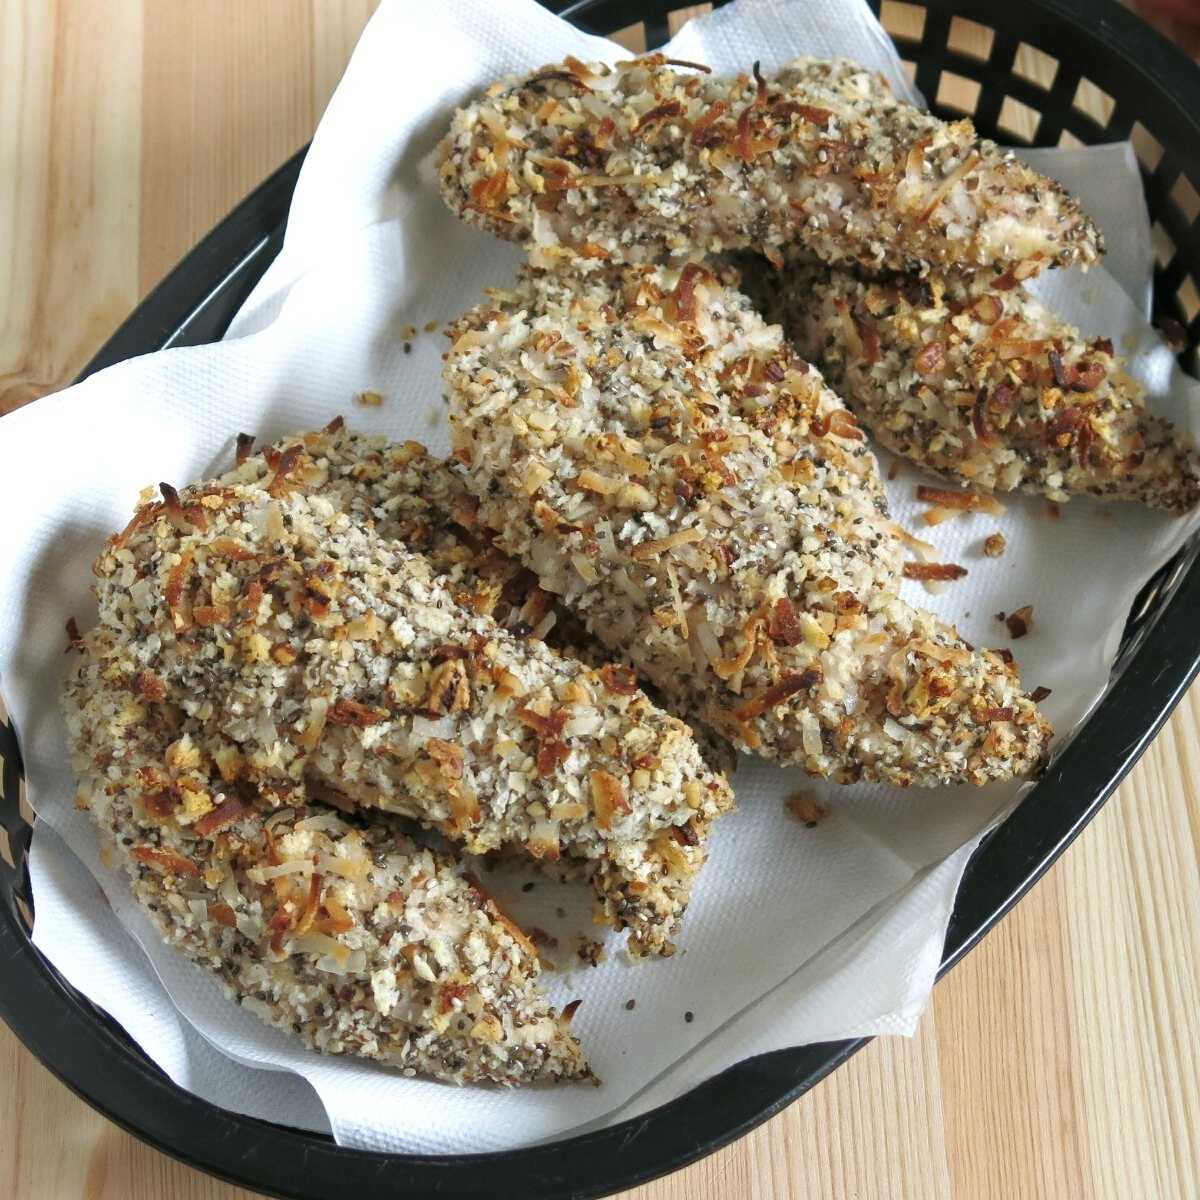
(988,308)
(929,358)
(608,798)
(996,714)
(682,302)
(1020,622)
(74,637)
(283,466)
(226,813)
(147,685)
(805,807)
(617,679)
(782,625)
(350,712)
(449,689)
(161,803)
(447,755)
(685,835)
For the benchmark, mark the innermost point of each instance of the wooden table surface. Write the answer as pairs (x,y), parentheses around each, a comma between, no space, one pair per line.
(1059,1060)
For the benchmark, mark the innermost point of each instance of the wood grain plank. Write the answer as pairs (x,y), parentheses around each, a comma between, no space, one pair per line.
(1158,821)
(1007,1049)
(228,96)
(1117,1074)
(873,1128)
(69,133)
(55,1147)
(336,27)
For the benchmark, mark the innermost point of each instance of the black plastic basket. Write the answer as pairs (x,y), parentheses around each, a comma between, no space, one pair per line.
(1083,50)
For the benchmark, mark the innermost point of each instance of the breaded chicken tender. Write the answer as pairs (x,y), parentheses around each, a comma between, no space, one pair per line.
(649,159)
(327,662)
(420,500)
(663,461)
(339,930)
(416,498)
(977,381)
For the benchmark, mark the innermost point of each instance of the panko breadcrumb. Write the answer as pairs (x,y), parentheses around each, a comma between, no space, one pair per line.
(648,159)
(339,930)
(659,457)
(327,662)
(976,380)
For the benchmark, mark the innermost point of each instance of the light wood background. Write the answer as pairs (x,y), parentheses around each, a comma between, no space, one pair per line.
(1059,1060)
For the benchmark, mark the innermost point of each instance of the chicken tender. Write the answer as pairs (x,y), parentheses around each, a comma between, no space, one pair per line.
(328,662)
(663,461)
(342,931)
(977,381)
(648,159)
(413,497)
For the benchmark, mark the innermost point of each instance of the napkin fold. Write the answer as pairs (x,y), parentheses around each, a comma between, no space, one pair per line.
(796,934)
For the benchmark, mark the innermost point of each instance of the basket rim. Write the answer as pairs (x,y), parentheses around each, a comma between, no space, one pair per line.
(97,1062)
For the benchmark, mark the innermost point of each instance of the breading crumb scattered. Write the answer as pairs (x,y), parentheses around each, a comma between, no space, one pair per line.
(590,951)
(1020,622)
(370,399)
(935,572)
(804,806)
(74,637)
(994,545)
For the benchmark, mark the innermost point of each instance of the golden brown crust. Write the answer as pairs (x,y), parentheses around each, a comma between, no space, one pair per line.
(325,653)
(640,162)
(340,930)
(979,382)
(411,496)
(712,512)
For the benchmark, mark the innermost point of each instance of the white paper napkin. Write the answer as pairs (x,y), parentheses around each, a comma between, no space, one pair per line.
(795,934)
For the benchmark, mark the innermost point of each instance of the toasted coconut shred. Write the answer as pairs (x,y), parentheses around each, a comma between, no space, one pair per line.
(734,437)
(639,161)
(1019,400)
